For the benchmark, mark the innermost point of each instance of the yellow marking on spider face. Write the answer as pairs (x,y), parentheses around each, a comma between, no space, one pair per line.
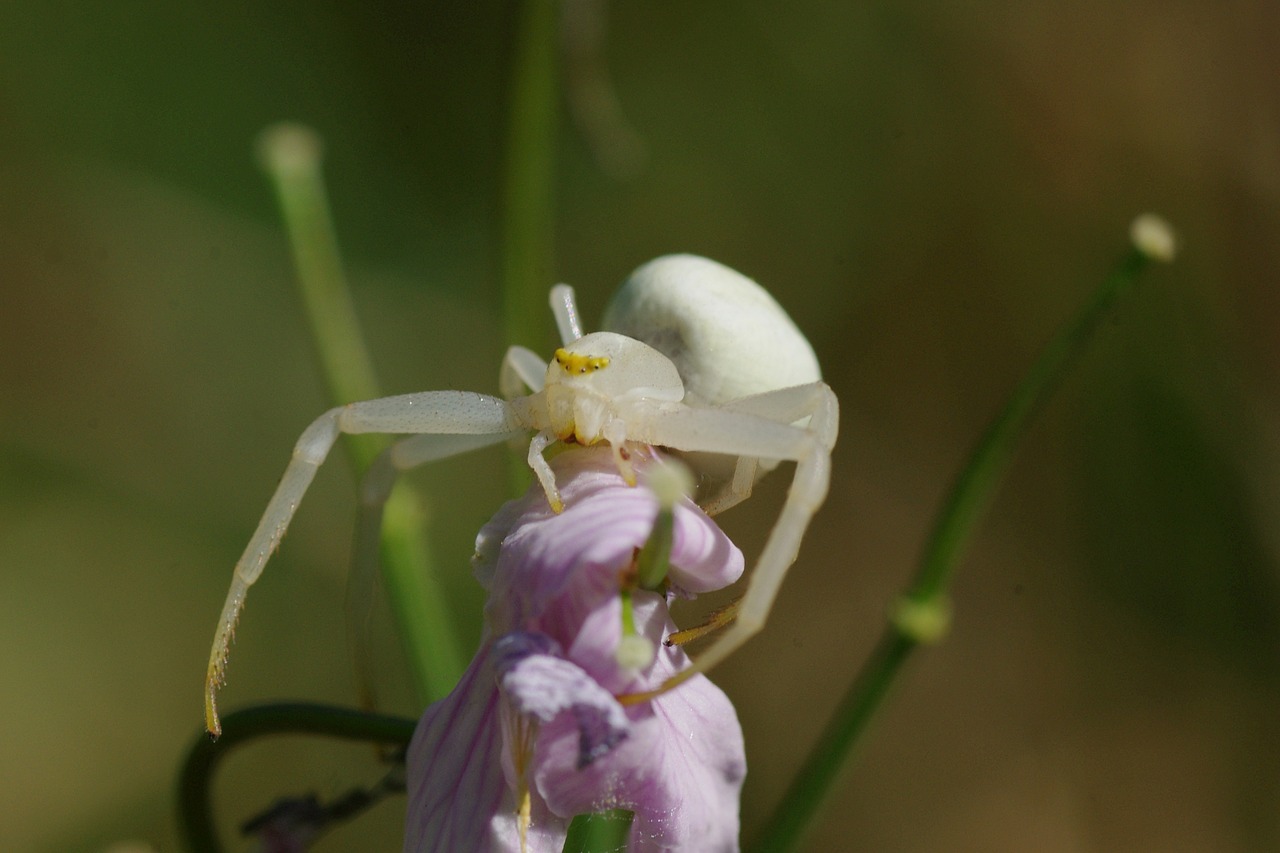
(572,362)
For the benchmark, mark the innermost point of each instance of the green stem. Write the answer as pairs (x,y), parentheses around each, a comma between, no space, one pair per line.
(290,155)
(596,833)
(975,487)
(922,614)
(195,806)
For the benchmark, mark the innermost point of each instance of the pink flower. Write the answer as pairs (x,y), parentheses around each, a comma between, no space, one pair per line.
(533,735)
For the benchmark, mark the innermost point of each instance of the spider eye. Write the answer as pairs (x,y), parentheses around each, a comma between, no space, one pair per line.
(573,362)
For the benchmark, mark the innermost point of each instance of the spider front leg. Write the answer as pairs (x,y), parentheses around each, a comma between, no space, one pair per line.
(441,413)
(723,430)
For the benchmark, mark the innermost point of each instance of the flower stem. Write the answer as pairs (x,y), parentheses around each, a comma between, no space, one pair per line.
(922,614)
(290,154)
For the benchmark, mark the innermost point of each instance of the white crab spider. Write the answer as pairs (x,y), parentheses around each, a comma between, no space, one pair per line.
(737,380)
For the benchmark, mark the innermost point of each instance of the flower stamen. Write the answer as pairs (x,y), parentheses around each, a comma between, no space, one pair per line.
(634,652)
(670,481)
(522,731)
(716,619)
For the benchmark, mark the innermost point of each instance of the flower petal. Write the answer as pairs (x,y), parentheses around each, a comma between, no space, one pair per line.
(535,714)
(542,553)
(680,770)
(458,795)
(539,683)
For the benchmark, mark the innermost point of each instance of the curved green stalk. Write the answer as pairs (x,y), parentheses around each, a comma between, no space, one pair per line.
(922,614)
(195,807)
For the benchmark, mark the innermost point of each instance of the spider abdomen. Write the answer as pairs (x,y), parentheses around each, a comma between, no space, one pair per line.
(727,337)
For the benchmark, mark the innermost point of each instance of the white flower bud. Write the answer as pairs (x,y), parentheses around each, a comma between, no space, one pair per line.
(635,652)
(669,480)
(289,148)
(1154,237)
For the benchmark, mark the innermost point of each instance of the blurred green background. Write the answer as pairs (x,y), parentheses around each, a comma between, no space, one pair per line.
(931,190)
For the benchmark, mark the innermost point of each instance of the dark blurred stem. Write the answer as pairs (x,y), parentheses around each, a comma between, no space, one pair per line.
(291,156)
(195,806)
(528,216)
(528,240)
(528,230)
(922,614)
